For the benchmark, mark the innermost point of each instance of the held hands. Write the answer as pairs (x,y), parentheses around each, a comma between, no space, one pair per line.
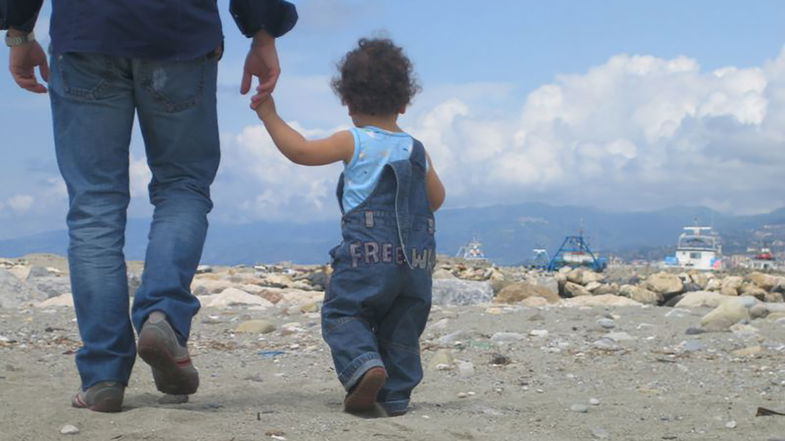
(22,62)
(262,62)
(266,107)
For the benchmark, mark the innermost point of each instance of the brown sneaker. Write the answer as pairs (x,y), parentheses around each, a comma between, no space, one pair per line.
(362,397)
(172,368)
(106,396)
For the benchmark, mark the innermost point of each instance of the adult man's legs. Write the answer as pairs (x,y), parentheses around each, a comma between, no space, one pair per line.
(177,113)
(92,112)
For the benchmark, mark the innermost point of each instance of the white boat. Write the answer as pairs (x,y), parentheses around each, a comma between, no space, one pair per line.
(472,251)
(698,248)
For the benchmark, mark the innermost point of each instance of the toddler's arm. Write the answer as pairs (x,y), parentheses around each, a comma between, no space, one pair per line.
(434,186)
(338,147)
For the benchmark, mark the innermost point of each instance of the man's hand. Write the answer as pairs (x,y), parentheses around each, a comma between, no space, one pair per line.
(22,62)
(262,62)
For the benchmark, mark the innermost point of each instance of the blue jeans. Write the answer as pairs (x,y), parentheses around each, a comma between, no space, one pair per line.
(94,98)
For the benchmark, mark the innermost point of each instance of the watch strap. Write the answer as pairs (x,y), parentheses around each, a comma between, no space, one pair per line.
(20,40)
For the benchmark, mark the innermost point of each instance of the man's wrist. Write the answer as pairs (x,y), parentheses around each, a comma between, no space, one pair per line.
(15,37)
(262,38)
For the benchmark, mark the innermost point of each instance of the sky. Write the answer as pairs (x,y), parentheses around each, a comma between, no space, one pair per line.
(619,105)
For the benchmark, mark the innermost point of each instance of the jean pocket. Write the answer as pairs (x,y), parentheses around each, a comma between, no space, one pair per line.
(85,76)
(175,85)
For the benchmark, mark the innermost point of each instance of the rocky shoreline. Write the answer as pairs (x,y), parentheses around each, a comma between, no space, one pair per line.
(510,353)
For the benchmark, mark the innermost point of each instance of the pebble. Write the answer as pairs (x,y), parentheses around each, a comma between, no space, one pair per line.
(731,424)
(579,408)
(462,395)
(606,323)
(691,346)
(599,433)
(594,401)
(692,330)
(500,359)
(465,369)
(606,344)
(507,337)
(69,429)
(538,332)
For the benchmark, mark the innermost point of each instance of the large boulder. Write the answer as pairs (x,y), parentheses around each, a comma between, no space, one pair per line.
(763,281)
(699,299)
(50,286)
(15,293)
(461,292)
(234,296)
(583,276)
(575,290)
(666,284)
(641,295)
(752,290)
(724,316)
(699,278)
(731,285)
(520,291)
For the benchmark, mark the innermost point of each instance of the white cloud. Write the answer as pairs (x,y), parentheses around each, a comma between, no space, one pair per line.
(637,132)
(139,176)
(20,203)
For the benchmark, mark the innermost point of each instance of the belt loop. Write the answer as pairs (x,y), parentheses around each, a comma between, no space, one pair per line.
(431,226)
(369,219)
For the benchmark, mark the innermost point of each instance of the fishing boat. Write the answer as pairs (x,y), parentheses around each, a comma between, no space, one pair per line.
(698,248)
(472,251)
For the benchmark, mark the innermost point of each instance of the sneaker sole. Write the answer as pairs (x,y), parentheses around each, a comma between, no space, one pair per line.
(169,377)
(363,397)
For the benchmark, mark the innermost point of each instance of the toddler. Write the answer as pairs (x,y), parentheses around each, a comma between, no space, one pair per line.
(379,296)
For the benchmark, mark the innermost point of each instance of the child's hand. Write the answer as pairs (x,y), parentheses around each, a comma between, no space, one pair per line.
(266,108)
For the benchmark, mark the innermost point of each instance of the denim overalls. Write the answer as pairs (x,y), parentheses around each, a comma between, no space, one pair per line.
(379,296)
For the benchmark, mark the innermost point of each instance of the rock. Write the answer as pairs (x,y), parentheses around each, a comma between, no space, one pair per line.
(461,292)
(584,276)
(15,293)
(575,290)
(69,429)
(520,291)
(50,286)
(500,359)
(65,300)
(594,401)
(506,337)
(38,271)
(773,297)
(255,326)
(742,330)
(619,336)
(319,279)
(699,299)
(606,323)
(599,433)
(593,286)
(538,332)
(465,369)
(700,279)
(730,424)
(691,346)
(442,357)
(713,285)
(749,289)
(202,287)
(600,300)
(774,316)
(310,307)
(534,302)
(443,274)
(202,269)
(693,330)
(664,284)
(173,399)
(731,285)
(747,352)
(640,295)
(579,408)
(607,288)
(759,311)
(234,296)
(724,316)
(763,281)
(606,344)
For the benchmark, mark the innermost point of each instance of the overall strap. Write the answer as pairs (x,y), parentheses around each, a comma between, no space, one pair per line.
(402,170)
(339,193)
(418,156)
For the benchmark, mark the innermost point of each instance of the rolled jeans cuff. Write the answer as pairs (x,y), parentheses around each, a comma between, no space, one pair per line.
(397,406)
(359,366)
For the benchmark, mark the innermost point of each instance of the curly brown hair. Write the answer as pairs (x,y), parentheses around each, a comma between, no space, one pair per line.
(375,78)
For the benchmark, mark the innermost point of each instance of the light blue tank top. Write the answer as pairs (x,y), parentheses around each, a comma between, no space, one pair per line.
(373,149)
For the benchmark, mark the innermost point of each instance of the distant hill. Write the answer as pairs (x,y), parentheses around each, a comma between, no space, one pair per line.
(508,233)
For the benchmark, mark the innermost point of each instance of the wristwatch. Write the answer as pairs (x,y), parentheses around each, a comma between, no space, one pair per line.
(18,41)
